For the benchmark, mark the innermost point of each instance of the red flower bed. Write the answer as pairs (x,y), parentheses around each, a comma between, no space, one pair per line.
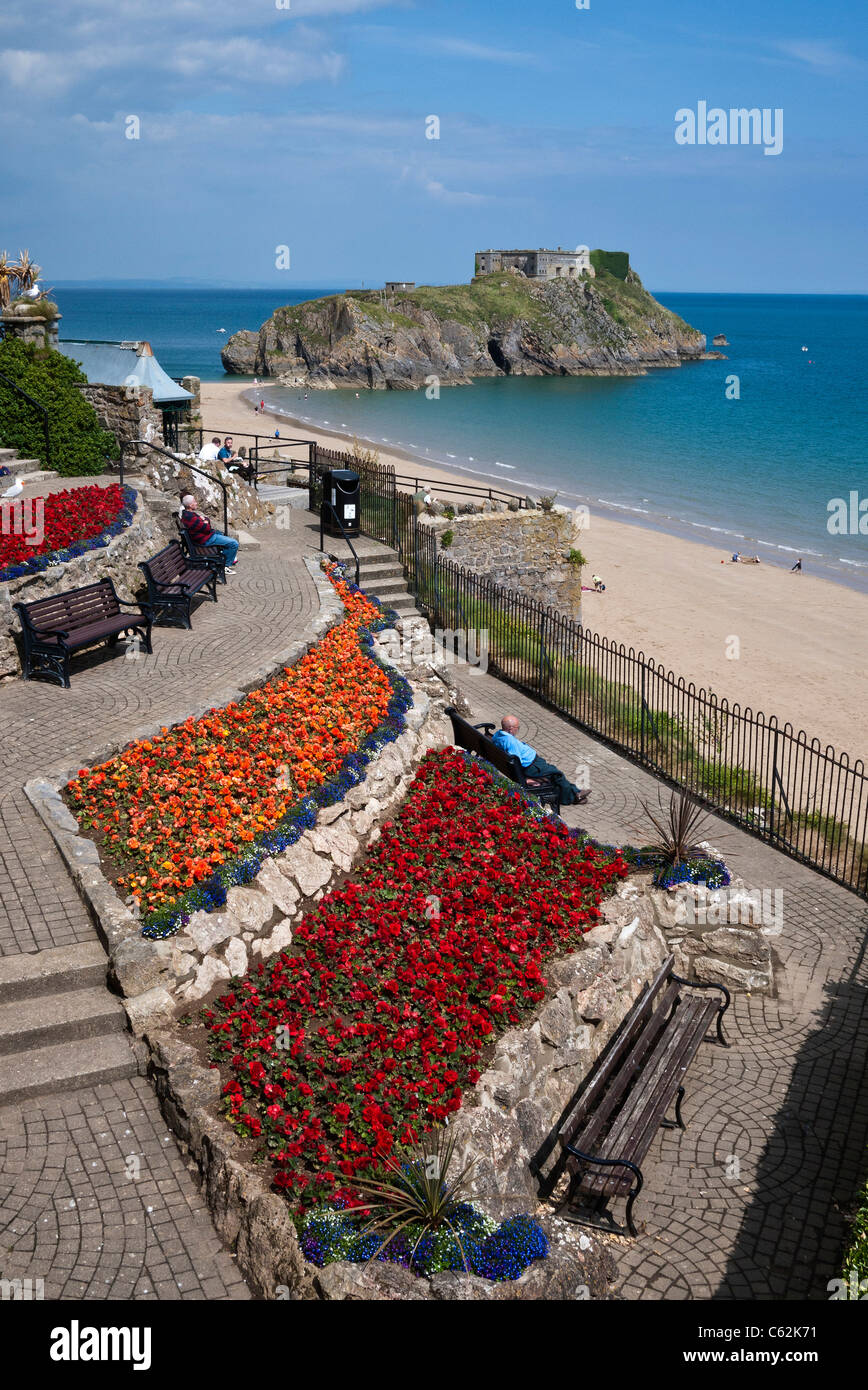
(366,1034)
(77,514)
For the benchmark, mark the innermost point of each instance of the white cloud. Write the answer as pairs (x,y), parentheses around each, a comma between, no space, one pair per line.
(480,52)
(821,56)
(251,60)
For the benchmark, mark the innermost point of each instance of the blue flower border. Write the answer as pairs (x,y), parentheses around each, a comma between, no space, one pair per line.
(243,867)
(71,552)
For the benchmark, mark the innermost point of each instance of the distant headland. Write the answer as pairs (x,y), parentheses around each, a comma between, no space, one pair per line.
(524,313)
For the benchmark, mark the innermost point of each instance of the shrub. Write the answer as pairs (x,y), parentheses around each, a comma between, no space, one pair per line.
(79,445)
(446,539)
(577,558)
(616,262)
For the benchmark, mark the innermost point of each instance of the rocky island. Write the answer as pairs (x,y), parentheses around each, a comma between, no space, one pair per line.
(602,323)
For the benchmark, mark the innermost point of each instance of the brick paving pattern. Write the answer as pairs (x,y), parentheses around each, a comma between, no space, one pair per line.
(95,1201)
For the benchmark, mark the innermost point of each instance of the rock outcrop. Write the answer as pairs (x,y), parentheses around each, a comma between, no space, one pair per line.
(498,325)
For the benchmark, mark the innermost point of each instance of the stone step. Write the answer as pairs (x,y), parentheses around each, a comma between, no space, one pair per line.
(6,455)
(62,1067)
(402,603)
(380,569)
(18,466)
(382,587)
(52,972)
(62,1019)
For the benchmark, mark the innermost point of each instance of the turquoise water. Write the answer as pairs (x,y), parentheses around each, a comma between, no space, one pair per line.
(667,449)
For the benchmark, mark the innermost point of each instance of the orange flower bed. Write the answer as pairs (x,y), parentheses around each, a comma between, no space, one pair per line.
(170,811)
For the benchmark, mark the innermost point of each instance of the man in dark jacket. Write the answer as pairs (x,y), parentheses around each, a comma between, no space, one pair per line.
(201,532)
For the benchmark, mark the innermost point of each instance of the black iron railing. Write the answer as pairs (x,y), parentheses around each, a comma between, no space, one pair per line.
(37,406)
(766,777)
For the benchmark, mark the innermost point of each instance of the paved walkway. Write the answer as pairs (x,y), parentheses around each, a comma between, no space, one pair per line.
(748,1202)
(94,1196)
(745,1204)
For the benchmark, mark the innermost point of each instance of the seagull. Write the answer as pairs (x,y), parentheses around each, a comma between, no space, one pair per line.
(221,330)
(15,489)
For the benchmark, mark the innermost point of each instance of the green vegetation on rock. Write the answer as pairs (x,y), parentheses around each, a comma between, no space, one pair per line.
(615,263)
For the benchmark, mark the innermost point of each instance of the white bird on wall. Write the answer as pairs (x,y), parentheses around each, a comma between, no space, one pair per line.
(16,488)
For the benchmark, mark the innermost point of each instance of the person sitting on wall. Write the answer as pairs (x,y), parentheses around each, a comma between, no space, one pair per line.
(210,451)
(239,465)
(535,766)
(201,532)
(235,463)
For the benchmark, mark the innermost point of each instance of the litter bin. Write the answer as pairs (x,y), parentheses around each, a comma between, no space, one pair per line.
(340,487)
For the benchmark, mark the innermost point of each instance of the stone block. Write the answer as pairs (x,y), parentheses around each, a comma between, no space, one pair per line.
(279,889)
(235,956)
(207,929)
(278,941)
(251,906)
(736,977)
(209,973)
(153,1009)
(309,871)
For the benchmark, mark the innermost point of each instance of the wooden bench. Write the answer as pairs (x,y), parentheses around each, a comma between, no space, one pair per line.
(173,582)
(54,628)
(212,556)
(624,1101)
(476,739)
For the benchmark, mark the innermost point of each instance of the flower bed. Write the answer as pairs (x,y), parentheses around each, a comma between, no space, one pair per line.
(366,1035)
(74,521)
(185,816)
(483,1247)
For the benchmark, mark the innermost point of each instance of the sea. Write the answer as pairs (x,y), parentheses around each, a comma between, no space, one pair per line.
(763,453)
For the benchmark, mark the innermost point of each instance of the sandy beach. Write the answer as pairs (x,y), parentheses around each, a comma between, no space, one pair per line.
(788,644)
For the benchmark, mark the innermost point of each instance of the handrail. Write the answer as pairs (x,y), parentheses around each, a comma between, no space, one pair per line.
(46,418)
(194,469)
(333,510)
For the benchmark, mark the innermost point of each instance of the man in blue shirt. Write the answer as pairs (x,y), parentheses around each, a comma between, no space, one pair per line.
(506,738)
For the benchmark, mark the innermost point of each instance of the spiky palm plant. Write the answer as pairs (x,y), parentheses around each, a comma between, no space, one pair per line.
(679,826)
(422,1191)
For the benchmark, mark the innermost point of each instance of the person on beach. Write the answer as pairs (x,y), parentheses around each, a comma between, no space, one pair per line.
(797,567)
(507,739)
(210,451)
(736,558)
(201,532)
(599,586)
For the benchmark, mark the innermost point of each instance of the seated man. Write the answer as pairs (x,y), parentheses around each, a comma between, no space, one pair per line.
(238,464)
(201,532)
(210,451)
(533,764)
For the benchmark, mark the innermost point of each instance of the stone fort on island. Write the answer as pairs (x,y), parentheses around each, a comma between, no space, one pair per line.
(537,265)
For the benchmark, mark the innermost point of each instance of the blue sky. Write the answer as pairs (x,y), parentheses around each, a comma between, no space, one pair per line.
(305,127)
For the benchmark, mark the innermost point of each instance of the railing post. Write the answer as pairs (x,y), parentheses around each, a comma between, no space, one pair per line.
(642,717)
(775,780)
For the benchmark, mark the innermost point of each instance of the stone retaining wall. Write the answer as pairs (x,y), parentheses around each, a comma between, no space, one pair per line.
(128,413)
(525,551)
